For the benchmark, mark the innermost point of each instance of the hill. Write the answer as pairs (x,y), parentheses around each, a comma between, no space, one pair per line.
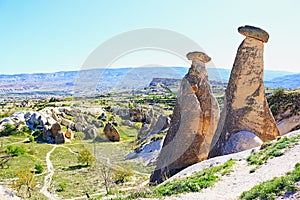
(91,81)
(291,81)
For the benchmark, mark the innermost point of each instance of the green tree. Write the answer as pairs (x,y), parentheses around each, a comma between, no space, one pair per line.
(85,157)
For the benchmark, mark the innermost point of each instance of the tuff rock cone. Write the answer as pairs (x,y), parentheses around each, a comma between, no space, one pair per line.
(246,120)
(193,124)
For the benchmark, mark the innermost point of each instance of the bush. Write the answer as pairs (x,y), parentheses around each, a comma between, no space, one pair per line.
(121,175)
(61,187)
(68,99)
(39,168)
(31,138)
(274,109)
(15,150)
(272,149)
(9,128)
(279,92)
(26,129)
(25,179)
(272,188)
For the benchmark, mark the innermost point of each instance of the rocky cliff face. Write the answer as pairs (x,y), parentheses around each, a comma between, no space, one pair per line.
(193,124)
(245,107)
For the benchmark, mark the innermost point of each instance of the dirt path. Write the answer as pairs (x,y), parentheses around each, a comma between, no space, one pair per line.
(232,185)
(70,150)
(110,164)
(48,178)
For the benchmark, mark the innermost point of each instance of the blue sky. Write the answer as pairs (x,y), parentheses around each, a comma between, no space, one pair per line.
(58,35)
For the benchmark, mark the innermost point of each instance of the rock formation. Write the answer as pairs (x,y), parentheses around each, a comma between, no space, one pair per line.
(111,132)
(157,126)
(193,124)
(55,128)
(286,110)
(147,154)
(59,138)
(245,106)
(69,134)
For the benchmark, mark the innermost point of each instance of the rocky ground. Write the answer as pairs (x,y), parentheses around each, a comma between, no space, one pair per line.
(231,186)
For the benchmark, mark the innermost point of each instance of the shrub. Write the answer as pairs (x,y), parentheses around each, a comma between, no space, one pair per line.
(39,168)
(272,149)
(27,130)
(15,150)
(279,92)
(9,128)
(25,179)
(31,138)
(68,99)
(61,187)
(121,175)
(193,183)
(274,109)
(275,187)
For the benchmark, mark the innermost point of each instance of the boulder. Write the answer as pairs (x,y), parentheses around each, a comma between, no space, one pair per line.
(47,135)
(18,117)
(91,132)
(69,134)
(70,111)
(111,133)
(193,123)
(162,123)
(143,131)
(56,117)
(157,126)
(254,32)
(98,124)
(245,106)
(241,141)
(79,127)
(67,122)
(146,154)
(288,124)
(55,128)
(7,120)
(59,138)
(196,55)
(128,123)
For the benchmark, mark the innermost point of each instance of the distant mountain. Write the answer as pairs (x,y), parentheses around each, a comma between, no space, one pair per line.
(92,81)
(288,82)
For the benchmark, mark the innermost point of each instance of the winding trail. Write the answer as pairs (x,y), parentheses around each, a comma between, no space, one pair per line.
(48,178)
(109,163)
(70,150)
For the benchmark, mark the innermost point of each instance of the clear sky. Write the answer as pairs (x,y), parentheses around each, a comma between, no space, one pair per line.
(57,35)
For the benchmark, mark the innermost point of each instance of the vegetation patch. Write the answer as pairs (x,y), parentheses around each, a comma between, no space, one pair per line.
(272,149)
(194,183)
(281,102)
(275,187)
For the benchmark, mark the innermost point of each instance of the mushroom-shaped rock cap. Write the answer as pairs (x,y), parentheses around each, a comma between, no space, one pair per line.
(196,55)
(254,32)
